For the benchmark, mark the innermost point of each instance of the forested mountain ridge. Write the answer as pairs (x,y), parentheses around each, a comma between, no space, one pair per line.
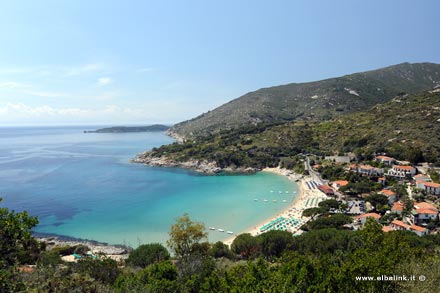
(319,100)
(407,127)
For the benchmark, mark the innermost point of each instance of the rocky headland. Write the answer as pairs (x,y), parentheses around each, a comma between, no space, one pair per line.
(201,166)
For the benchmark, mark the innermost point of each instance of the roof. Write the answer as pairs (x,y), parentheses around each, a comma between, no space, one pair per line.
(432,184)
(387,192)
(407,168)
(420,181)
(421,176)
(424,205)
(397,206)
(325,188)
(426,211)
(417,228)
(400,224)
(387,228)
(381,178)
(384,158)
(369,215)
(341,182)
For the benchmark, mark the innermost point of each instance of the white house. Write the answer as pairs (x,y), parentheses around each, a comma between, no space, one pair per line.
(431,187)
(402,171)
(424,212)
(397,208)
(422,177)
(369,170)
(385,160)
(391,195)
(363,218)
(421,231)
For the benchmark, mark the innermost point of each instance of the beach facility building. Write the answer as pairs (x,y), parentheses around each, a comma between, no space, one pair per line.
(326,189)
(339,183)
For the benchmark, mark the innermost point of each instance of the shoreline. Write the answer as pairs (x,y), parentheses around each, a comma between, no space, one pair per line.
(294,209)
(116,252)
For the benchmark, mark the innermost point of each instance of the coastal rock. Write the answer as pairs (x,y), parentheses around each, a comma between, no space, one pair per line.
(202,166)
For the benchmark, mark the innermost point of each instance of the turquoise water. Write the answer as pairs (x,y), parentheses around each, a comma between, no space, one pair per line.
(82,185)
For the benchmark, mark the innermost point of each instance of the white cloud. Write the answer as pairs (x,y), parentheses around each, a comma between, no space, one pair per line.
(79,70)
(11,85)
(146,69)
(104,81)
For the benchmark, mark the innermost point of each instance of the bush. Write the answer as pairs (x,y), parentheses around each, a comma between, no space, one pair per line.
(147,254)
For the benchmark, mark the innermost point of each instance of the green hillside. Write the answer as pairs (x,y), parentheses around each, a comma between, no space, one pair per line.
(320,100)
(407,127)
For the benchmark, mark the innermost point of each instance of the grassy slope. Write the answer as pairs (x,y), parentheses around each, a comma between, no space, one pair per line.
(319,100)
(404,124)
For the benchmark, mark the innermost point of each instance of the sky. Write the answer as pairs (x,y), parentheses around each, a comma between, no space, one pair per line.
(76,62)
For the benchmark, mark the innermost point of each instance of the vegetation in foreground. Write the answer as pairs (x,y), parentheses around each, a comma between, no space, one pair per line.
(322,260)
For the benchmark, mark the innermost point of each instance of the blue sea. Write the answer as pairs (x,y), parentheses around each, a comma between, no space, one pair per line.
(83,185)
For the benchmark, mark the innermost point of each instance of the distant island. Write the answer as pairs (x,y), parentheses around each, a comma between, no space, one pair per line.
(124,129)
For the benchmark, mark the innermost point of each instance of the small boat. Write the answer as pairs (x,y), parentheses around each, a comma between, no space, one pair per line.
(287,192)
(211,228)
(265,200)
(221,230)
(230,232)
(274,200)
(284,200)
(255,199)
(271,191)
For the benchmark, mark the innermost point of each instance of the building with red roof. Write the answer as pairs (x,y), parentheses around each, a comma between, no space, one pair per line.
(326,189)
(424,212)
(429,187)
(399,225)
(339,183)
(363,218)
(387,228)
(391,195)
(397,207)
(385,160)
(400,171)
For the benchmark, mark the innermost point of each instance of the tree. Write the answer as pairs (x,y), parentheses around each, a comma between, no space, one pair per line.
(185,235)
(408,205)
(17,245)
(377,200)
(246,245)
(147,254)
(275,242)
(329,204)
(219,249)
(311,212)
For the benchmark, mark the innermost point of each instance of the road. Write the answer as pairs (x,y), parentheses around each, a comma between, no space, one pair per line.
(315,175)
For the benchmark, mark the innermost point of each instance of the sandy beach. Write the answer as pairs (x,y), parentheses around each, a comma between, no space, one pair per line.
(294,210)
